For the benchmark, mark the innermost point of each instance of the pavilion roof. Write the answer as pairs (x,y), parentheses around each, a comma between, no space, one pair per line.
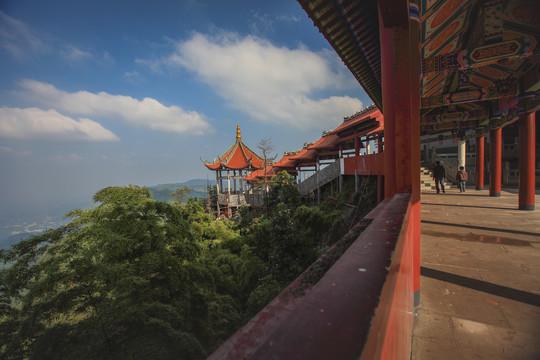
(238,156)
(260,174)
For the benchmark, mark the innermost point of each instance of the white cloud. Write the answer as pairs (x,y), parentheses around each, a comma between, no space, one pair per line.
(147,113)
(19,40)
(261,24)
(33,123)
(71,158)
(271,84)
(132,77)
(23,42)
(73,54)
(18,153)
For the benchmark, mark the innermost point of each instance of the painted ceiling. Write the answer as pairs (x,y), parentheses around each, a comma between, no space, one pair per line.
(479,58)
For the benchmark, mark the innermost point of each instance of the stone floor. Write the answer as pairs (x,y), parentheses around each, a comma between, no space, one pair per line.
(480,278)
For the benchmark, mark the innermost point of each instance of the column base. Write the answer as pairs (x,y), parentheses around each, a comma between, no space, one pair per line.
(480,188)
(416,299)
(498,194)
(526,207)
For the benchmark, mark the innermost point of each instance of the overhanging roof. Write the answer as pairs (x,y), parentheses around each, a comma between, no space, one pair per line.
(480,60)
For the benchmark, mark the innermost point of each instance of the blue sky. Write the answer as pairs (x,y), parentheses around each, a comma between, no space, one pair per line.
(99,93)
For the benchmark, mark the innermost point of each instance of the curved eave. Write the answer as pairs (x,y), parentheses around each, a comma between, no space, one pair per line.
(213,166)
(352,29)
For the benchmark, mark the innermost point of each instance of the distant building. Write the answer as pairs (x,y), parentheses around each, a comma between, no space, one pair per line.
(231,168)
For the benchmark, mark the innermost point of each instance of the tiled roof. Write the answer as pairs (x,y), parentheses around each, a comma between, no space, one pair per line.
(238,156)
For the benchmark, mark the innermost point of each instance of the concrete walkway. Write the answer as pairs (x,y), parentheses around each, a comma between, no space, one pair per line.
(480,283)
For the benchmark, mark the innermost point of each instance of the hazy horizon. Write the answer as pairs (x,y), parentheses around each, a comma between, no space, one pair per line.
(134,92)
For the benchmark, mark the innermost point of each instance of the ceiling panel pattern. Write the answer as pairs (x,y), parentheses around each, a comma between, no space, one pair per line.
(480,59)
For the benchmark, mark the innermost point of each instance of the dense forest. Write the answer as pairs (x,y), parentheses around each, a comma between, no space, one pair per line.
(136,278)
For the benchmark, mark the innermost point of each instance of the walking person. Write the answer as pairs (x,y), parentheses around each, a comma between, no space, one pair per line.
(462,178)
(439,174)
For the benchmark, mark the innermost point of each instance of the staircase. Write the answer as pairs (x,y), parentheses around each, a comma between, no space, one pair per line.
(427,182)
(320,178)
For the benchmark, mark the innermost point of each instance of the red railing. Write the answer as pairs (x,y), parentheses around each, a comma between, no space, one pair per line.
(372,164)
(361,307)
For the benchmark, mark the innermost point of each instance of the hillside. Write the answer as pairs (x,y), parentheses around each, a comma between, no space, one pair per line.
(162,192)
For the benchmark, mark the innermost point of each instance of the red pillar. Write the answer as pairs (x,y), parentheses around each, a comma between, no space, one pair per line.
(414,44)
(356,145)
(387,74)
(479,163)
(395,73)
(380,178)
(527,158)
(495,138)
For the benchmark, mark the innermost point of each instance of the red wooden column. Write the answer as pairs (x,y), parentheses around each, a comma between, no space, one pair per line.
(527,158)
(414,45)
(356,145)
(479,163)
(395,73)
(380,178)
(387,75)
(495,139)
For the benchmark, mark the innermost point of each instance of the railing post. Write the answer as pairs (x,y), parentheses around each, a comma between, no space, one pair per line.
(495,139)
(527,156)
(479,163)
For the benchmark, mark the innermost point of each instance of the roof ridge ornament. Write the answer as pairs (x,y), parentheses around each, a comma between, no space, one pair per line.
(238,134)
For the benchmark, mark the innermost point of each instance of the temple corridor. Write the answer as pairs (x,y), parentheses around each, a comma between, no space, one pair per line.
(480,278)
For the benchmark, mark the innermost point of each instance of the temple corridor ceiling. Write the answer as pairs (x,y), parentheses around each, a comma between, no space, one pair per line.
(479,59)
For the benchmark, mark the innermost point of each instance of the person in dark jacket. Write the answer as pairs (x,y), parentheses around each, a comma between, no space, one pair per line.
(461,177)
(439,174)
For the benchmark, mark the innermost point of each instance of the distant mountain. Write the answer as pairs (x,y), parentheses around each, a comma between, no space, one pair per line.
(16,226)
(162,192)
(13,239)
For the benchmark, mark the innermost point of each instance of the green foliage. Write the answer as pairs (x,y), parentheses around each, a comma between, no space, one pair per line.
(180,194)
(116,276)
(141,279)
(283,189)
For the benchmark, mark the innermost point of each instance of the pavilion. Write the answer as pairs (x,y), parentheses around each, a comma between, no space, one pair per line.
(234,164)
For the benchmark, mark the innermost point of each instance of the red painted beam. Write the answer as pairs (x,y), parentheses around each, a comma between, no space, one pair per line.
(495,159)
(479,163)
(527,160)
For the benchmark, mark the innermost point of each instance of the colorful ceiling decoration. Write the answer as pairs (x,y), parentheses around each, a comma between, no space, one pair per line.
(479,57)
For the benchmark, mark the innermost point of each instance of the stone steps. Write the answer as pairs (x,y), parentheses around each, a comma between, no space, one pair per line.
(427,182)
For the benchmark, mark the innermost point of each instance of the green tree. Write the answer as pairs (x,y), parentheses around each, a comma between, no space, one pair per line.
(114,283)
(283,189)
(180,194)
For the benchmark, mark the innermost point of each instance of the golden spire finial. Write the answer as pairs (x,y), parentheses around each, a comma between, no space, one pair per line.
(238,135)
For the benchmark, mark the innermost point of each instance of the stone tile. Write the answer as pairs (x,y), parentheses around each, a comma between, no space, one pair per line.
(497,244)
(434,327)
(513,280)
(495,342)
(476,305)
(434,295)
(521,317)
(431,350)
